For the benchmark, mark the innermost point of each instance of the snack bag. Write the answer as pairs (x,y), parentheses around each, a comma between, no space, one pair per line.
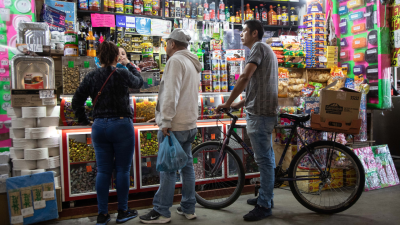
(307,91)
(317,76)
(318,87)
(283,79)
(337,74)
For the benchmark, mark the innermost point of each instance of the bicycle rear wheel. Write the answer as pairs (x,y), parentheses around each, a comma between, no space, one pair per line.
(335,189)
(215,190)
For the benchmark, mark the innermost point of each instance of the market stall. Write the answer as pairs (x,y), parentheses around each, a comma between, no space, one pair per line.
(342,43)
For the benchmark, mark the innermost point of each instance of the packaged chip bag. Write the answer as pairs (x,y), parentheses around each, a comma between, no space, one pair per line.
(307,91)
(283,80)
(339,74)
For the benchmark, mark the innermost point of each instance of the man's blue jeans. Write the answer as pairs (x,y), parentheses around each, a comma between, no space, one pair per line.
(164,197)
(113,139)
(259,129)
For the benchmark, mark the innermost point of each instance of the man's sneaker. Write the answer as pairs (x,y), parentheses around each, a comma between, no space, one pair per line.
(102,219)
(188,216)
(258,213)
(253,201)
(154,217)
(125,216)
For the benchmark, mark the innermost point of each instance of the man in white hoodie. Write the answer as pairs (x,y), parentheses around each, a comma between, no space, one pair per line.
(177,111)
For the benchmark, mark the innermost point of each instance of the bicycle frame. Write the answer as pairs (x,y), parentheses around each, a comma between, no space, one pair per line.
(293,128)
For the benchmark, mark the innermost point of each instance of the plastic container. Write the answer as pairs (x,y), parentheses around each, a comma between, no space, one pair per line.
(343,10)
(279,15)
(119,6)
(359,69)
(128,7)
(71,50)
(294,17)
(343,26)
(359,43)
(356,16)
(285,16)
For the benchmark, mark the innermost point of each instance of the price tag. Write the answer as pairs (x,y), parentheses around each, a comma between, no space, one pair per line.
(237,76)
(49,194)
(70,64)
(372,51)
(357,56)
(367,14)
(323,59)
(212,160)
(27,211)
(88,169)
(372,37)
(17,219)
(211,99)
(195,161)
(212,136)
(4,62)
(342,24)
(374,88)
(46,94)
(342,53)
(148,136)
(358,42)
(354,16)
(357,27)
(357,70)
(2,70)
(148,164)
(39,204)
(86,64)
(89,141)
(372,70)
(149,81)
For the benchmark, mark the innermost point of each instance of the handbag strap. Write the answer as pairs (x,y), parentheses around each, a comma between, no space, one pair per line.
(99,93)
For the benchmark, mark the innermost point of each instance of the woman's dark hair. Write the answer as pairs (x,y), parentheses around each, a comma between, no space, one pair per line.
(123,49)
(108,51)
(255,25)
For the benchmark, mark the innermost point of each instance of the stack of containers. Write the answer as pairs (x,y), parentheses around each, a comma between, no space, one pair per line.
(316,34)
(332,56)
(216,71)
(4,170)
(310,54)
(36,144)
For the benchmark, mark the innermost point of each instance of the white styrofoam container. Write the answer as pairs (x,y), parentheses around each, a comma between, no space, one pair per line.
(14,112)
(23,122)
(49,142)
(17,133)
(16,153)
(23,164)
(48,121)
(53,111)
(24,143)
(4,157)
(50,163)
(54,151)
(5,168)
(57,171)
(36,153)
(40,132)
(34,112)
(30,172)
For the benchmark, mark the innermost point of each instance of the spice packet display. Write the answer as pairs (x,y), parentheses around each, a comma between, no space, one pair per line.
(339,74)
(283,79)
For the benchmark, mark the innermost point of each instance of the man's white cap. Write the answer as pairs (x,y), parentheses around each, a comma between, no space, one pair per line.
(179,35)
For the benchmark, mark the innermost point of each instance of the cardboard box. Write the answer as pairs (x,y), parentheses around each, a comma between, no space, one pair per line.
(339,105)
(59,198)
(30,97)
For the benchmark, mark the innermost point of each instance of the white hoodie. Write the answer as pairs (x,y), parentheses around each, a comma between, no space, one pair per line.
(177,106)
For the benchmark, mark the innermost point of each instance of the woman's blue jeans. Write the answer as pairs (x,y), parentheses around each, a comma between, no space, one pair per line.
(113,140)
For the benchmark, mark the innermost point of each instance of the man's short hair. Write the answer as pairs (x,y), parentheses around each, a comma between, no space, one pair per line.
(179,44)
(255,25)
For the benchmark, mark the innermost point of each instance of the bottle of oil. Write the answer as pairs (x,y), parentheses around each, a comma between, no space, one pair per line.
(272,20)
(285,16)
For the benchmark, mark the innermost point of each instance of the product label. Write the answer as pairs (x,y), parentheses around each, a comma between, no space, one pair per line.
(357,56)
(177,12)
(138,9)
(372,37)
(352,3)
(17,219)
(27,211)
(372,70)
(373,88)
(33,80)
(357,27)
(357,70)
(264,16)
(367,14)
(4,62)
(372,51)
(200,12)
(212,14)
(69,38)
(342,24)
(342,53)
(163,59)
(207,16)
(91,45)
(70,52)
(285,17)
(314,9)
(357,42)
(279,17)
(39,204)
(341,8)
(274,19)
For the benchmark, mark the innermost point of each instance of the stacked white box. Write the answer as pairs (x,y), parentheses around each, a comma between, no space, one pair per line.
(36,146)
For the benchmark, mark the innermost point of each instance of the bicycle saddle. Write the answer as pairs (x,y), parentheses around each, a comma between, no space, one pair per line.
(296,117)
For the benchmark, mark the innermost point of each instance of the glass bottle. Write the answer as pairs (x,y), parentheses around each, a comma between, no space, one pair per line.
(111,6)
(257,14)
(221,11)
(249,13)
(206,12)
(200,12)
(194,11)
(166,12)
(237,17)
(90,44)
(227,14)
(264,14)
(178,9)
(279,15)
(183,9)
(82,44)
(212,11)
(188,9)
(294,18)
(105,6)
(285,16)
(232,15)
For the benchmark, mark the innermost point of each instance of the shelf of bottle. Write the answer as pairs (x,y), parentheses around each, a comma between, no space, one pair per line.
(274,27)
(300,2)
(123,14)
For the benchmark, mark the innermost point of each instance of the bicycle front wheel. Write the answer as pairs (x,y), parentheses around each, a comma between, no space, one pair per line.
(334,189)
(217,186)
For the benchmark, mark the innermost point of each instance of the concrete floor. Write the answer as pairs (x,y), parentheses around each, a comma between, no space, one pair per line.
(374,207)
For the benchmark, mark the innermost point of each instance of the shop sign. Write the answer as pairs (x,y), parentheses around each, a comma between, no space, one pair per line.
(103,20)
(126,21)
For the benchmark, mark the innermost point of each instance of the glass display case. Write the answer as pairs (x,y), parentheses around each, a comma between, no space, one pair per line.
(249,164)
(144,105)
(79,166)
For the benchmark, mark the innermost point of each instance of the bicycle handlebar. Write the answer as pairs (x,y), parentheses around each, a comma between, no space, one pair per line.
(229,113)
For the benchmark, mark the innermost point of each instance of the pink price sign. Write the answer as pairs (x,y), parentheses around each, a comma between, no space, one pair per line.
(101,20)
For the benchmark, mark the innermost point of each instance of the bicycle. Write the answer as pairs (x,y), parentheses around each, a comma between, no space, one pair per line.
(314,173)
